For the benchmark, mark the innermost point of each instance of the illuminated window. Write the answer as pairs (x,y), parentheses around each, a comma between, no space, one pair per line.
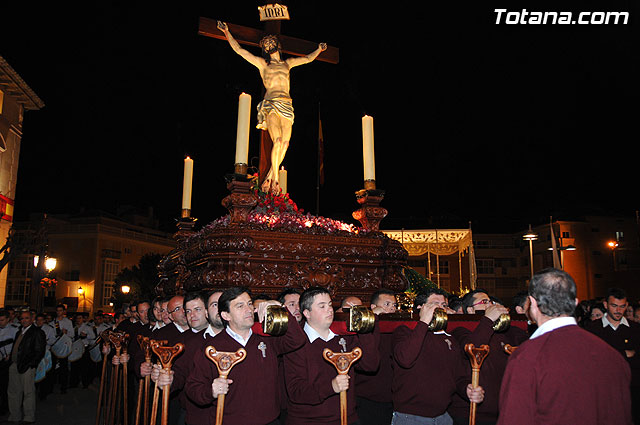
(110,270)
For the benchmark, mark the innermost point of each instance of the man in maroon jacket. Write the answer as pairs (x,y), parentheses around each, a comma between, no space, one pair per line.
(313,383)
(624,336)
(252,396)
(563,374)
(194,342)
(428,368)
(494,364)
(373,389)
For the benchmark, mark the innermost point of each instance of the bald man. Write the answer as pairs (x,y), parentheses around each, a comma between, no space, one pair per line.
(348,302)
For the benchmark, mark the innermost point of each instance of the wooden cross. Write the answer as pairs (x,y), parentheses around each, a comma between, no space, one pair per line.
(290,45)
(476,357)
(224,361)
(166,354)
(342,362)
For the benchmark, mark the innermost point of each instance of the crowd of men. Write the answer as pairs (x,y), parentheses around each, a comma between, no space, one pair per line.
(563,371)
(39,351)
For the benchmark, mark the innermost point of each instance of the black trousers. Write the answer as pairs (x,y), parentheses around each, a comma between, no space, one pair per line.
(4,383)
(60,369)
(373,413)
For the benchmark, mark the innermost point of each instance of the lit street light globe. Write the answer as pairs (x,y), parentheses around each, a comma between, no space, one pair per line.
(125,289)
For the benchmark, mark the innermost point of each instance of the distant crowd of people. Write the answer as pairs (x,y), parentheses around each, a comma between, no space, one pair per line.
(41,350)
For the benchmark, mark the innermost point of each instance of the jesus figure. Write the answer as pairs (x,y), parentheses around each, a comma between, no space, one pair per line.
(275,111)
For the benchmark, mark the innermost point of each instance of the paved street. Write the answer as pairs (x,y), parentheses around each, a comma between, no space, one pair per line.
(76,407)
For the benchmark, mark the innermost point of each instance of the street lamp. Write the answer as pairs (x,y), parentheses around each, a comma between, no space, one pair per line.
(80,291)
(562,249)
(125,289)
(530,236)
(50,263)
(613,245)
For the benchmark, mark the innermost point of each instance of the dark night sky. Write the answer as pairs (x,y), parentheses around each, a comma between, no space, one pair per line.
(500,125)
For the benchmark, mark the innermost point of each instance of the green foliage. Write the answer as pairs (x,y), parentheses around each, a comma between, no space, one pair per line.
(417,282)
(141,278)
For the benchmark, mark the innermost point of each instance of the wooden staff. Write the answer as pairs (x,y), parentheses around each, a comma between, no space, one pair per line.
(166,356)
(109,393)
(156,391)
(476,356)
(125,382)
(145,347)
(116,341)
(224,361)
(154,403)
(509,349)
(105,339)
(342,363)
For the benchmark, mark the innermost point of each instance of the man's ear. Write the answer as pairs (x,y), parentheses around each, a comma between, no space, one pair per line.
(306,314)
(470,312)
(225,315)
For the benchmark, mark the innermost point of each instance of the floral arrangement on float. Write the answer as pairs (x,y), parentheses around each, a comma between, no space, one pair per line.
(277,211)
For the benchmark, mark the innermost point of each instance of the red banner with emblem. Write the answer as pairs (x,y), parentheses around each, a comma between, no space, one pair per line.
(6,208)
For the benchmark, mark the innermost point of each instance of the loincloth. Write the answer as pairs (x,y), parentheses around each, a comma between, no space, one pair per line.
(282,107)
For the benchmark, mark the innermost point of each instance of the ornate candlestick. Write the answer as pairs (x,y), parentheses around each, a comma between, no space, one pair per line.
(241,200)
(371,213)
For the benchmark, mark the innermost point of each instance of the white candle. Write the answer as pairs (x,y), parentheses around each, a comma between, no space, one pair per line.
(367,148)
(282,178)
(186,183)
(242,138)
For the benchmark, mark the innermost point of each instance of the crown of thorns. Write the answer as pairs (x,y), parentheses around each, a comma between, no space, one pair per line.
(269,40)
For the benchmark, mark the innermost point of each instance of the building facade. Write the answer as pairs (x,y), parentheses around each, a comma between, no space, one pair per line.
(598,252)
(15,98)
(90,251)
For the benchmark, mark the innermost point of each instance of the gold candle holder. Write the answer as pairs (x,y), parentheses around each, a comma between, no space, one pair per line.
(370,185)
(241,168)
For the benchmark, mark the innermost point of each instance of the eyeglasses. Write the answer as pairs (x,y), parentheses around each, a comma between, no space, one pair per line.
(175,309)
(483,301)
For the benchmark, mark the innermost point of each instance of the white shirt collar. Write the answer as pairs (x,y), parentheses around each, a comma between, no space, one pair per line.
(179,328)
(606,322)
(312,334)
(159,324)
(553,324)
(25,329)
(239,337)
(209,331)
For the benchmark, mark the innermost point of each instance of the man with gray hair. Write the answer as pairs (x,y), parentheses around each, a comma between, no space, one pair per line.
(563,374)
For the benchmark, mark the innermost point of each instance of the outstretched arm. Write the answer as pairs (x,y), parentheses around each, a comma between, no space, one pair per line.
(254,60)
(295,61)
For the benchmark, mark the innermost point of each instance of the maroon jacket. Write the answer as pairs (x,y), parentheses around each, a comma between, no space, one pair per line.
(492,368)
(168,332)
(621,339)
(133,349)
(253,397)
(194,342)
(428,368)
(376,386)
(566,376)
(312,399)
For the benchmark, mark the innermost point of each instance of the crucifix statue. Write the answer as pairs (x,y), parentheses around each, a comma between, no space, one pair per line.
(275,111)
